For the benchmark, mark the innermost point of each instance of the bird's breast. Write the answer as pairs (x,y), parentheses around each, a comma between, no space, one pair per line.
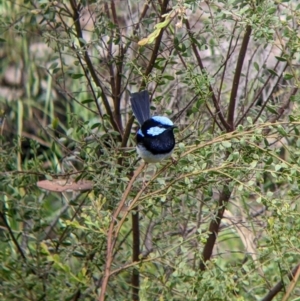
(159,144)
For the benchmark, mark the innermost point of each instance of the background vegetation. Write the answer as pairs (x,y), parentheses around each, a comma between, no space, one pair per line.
(81,219)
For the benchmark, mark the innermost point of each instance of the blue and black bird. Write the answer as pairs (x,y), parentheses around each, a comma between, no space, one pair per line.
(155,138)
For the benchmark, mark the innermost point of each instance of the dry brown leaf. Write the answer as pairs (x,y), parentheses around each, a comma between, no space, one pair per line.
(65,185)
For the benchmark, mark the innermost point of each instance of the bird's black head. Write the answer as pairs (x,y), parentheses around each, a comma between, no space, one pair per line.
(156,135)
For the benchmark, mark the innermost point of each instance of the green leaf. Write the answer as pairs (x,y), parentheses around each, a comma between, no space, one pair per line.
(55,123)
(95,125)
(76,76)
(87,100)
(271,10)
(273,72)
(82,40)
(282,131)
(169,77)
(272,110)
(53,65)
(153,36)
(55,70)
(281,59)
(162,24)
(226,144)
(288,76)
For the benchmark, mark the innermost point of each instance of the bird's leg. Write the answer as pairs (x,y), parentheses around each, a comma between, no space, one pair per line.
(144,175)
(174,161)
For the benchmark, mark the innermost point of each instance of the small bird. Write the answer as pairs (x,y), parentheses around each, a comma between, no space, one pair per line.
(155,138)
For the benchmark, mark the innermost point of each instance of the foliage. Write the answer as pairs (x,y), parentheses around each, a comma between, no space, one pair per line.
(220,224)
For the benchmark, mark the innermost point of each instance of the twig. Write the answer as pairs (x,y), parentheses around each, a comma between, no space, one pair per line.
(3,217)
(228,55)
(279,286)
(135,277)
(237,76)
(61,238)
(156,46)
(292,284)
(90,66)
(270,94)
(200,64)
(113,233)
(215,226)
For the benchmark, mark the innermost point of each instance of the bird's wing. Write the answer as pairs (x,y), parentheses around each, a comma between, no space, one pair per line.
(140,103)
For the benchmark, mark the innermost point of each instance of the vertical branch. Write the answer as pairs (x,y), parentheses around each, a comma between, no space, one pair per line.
(3,218)
(124,50)
(156,46)
(117,61)
(280,285)
(269,98)
(113,234)
(135,277)
(214,226)
(226,192)
(237,76)
(226,60)
(200,64)
(75,16)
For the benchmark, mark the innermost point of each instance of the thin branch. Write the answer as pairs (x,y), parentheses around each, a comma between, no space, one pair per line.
(90,66)
(200,64)
(64,233)
(280,285)
(3,217)
(135,277)
(281,110)
(228,55)
(256,97)
(215,226)
(113,234)
(270,94)
(292,285)
(237,76)
(156,46)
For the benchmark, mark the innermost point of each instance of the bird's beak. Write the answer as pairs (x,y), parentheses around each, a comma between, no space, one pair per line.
(173,127)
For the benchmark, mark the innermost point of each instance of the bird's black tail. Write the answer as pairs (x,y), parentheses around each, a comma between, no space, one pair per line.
(140,103)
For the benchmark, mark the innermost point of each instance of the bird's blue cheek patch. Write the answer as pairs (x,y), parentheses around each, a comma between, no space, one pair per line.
(139,132)
(155,130)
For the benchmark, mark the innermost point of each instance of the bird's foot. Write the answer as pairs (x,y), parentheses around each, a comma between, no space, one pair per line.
(174,161)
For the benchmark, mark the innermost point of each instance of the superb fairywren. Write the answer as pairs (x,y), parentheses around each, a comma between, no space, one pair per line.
(155,138)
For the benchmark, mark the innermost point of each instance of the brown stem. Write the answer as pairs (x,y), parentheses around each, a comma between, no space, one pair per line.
(156,46)
(237,76)
(3,218)
(113,234)
(125,137)
(200,64)
(90,66)
(135,277)
(280,285)
(275,85)
(118,86)
(214,227)
(228,55)
(281,110)
(255,99)
(65,232)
